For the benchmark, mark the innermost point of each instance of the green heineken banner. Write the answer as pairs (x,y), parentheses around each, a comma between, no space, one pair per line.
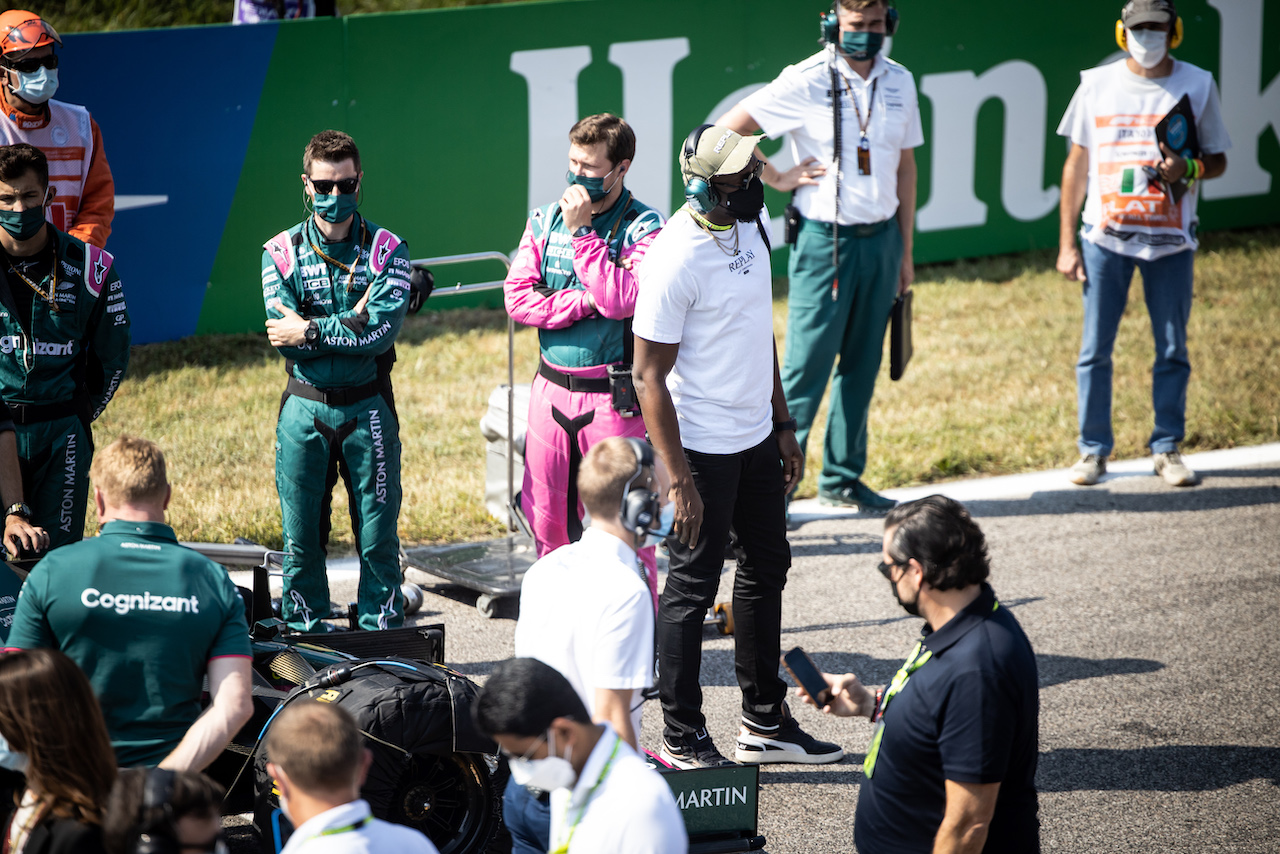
(461,116)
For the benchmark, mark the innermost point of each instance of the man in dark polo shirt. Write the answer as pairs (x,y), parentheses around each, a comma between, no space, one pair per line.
(952,762)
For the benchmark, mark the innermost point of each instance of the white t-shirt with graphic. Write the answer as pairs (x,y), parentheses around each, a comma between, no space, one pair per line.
(1114,114)
(719,309)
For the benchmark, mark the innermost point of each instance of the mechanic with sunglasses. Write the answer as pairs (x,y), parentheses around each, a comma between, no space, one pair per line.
(336,288)
(85,192)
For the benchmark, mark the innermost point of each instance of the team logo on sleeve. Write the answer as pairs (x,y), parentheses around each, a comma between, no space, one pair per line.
(95,274)
(280,248)
(384,243)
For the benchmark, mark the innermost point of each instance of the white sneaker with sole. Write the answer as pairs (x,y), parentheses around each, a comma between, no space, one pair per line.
(1174,471)
(1089,470)
(786,743)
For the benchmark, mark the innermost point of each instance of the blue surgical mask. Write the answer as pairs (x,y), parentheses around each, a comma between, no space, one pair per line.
(38,86)
(861,46)
(666,521)
(336,207)
(10,759)
(23,225)
(594,186)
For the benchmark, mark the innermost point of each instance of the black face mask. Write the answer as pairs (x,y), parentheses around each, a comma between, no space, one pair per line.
(912,607)
(745,205)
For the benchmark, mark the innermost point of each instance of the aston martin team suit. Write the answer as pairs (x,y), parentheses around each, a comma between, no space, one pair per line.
(71,140)
(337,415)
(570,408)
(64,347)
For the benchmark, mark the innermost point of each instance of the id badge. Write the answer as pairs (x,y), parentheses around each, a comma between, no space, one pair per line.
(864,156)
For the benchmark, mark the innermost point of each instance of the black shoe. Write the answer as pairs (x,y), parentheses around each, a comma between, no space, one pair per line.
(698,752)
(786,743)
(859,496)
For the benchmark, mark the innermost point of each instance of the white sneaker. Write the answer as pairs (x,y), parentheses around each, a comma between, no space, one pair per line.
(785,743)
(1089,470)
(1174,471)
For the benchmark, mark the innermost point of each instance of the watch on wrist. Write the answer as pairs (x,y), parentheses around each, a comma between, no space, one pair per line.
(313,332)
(21,510)
(789,424)
(583,231)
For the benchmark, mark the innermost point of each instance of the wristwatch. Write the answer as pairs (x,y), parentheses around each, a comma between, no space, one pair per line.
(789,424)
(583,231)
(313,332)
(20,510)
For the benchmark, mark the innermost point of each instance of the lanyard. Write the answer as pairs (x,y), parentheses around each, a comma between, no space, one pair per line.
(586,802)
(350,271)
(913,663)
(346,828)
(857,111)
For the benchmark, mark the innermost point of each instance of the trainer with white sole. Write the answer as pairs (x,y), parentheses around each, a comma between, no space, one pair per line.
(952,761)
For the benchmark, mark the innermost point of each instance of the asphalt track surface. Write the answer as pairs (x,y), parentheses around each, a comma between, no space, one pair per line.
(1152,611)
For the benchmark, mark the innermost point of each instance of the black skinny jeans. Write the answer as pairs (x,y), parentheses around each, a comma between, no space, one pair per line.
(742,496)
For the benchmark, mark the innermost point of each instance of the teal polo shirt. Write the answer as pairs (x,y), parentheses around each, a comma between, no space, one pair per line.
(142,616)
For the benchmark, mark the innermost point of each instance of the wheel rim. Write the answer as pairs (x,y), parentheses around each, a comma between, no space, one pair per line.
(448,799)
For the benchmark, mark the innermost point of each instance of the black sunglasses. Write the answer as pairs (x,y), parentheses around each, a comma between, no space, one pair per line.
(755,172)
(346,186)
(886,568)
(30,66)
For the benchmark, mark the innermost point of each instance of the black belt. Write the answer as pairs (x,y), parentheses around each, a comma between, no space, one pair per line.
(336,396)
(572,383)
(858,229)
(34,413)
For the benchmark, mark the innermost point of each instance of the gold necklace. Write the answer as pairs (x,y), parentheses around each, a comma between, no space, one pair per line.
(53,287)
(710,228)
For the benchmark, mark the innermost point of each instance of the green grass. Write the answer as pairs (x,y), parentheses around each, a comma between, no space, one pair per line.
(991,390)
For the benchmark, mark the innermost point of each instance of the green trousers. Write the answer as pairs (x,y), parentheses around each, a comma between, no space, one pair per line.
(54,457)
(847,331)
(315,443)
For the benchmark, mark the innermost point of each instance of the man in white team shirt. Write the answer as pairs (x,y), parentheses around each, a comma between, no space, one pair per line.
(706,372)
(1130,220)
(585,608)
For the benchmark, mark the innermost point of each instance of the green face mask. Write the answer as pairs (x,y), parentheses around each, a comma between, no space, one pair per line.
(23,225)
(336,207)
(861,46)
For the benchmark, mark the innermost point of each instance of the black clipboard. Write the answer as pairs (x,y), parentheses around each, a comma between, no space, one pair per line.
(1178,131)
(900,348)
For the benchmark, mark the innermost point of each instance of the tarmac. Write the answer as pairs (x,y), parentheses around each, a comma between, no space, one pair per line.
(1152,611)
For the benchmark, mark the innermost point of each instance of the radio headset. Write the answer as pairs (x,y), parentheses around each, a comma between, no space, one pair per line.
(698,191)
(640,504)
(830,23)
(1123,40)
(159,833)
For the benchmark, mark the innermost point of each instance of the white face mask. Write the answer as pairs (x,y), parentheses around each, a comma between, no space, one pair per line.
(1147,47)
(553,772)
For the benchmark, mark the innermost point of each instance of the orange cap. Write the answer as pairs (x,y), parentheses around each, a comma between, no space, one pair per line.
(22,31)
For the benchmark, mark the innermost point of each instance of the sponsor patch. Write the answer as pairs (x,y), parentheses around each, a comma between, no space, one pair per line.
(280,248)
(384,244)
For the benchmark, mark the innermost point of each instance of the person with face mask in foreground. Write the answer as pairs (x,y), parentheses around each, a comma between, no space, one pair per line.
(957,730)
(319,762)
(585,608)
(336,288)
(85,202)
(604,797)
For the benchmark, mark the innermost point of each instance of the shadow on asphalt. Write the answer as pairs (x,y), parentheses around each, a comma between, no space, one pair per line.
(834,544)
(1056,669)
(1167,768)
(1085,500)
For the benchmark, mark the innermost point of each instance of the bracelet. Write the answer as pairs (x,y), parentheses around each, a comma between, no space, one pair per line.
(1191,172)
(789,424)
(1199,168)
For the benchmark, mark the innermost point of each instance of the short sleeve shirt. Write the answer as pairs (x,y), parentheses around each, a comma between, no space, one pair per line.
(142,616)
(798,102)
(1113,115)
(969,714)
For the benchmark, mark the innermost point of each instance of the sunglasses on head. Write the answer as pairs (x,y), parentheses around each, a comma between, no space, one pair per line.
(30,66)
(346,186)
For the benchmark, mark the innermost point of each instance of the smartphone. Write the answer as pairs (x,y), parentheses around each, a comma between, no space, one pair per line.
(807,675)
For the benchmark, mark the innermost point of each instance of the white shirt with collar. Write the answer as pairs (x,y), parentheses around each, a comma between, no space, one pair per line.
(798,103)
(586,611)
(619,805)
(351,829)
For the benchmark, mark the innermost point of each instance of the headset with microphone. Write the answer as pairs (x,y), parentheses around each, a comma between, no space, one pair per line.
(830,23)
(698,191)
(641,505)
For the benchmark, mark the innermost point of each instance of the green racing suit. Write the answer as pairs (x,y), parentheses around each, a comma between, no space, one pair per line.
(57,374)
(337,415)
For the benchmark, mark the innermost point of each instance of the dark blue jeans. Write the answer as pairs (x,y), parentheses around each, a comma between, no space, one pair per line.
(528,819)
(1167,286)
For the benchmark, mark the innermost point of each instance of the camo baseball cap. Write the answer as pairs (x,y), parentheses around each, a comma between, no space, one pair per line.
(1148,12)
(719,151)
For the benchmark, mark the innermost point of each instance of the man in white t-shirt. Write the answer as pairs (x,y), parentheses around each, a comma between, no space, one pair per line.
(706,373)
(1132,218)
(604,798)
(859,195)
(585,608)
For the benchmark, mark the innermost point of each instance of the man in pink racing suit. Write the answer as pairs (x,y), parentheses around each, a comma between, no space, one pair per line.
(574,279)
